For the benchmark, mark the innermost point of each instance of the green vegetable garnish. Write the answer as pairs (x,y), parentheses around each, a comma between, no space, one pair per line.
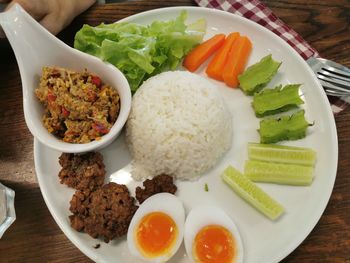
(251,193)
(287,127)
(279,99)
(255,77)
(281,154)
(279,173)
(141,51)
(206,188)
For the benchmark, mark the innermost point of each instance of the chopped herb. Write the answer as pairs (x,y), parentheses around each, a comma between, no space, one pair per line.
(206,188)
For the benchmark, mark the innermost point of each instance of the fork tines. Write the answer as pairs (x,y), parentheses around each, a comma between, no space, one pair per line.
(334,77)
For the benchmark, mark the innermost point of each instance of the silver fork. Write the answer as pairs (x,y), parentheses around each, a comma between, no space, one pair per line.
(334,78)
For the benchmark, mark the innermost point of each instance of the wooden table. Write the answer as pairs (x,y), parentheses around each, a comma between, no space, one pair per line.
(35,237)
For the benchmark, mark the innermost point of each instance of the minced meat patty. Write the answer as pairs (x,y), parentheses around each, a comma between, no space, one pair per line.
(85,171)
(158,184)
(105,212)
(79,107)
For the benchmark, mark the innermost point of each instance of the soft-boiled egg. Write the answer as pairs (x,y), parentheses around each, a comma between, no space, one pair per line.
(156,230)
(211,236)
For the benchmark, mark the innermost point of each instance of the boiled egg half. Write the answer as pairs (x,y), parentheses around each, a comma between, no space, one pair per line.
(212,237)
(156,230)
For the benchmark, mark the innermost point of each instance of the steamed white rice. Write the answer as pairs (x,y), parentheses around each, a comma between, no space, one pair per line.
(179,125)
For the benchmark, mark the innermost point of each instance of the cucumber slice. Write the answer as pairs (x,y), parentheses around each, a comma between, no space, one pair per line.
(250,192)
(281,154)
(278,173)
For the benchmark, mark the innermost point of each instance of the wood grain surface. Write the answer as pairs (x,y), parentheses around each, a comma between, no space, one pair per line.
(35,237)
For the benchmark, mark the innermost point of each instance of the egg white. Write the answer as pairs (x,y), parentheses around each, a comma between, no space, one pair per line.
(162,202)
(202,216)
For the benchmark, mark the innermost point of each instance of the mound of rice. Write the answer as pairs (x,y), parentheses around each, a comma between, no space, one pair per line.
(179,125)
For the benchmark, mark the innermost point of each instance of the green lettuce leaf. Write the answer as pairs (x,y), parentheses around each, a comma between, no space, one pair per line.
(141,51)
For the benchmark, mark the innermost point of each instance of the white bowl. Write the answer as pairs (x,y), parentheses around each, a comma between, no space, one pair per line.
(109,75)
(34,48)
(34,111)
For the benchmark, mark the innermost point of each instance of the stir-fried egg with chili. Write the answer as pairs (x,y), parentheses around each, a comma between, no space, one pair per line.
(79,106)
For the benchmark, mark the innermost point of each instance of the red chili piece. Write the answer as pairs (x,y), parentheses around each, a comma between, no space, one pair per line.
(91,95)
(96,81)
(65,112)
(100,128)
(51,97)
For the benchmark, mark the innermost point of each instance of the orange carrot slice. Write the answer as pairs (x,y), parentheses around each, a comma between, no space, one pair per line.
(216,65)
(236,61)
(202,52)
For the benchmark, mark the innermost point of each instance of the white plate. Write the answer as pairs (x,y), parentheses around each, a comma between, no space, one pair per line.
(263,240)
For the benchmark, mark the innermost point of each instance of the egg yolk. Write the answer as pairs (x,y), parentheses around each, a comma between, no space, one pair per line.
(156,234)
(214,243)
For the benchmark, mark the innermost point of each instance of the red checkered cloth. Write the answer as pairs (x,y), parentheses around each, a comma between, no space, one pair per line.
(256,11)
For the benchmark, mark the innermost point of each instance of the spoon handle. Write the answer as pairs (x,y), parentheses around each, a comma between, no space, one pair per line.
(29,40)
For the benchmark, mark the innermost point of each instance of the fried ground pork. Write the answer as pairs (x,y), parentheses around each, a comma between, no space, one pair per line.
(158,184)
(85,171)
(79,107)
(105,212)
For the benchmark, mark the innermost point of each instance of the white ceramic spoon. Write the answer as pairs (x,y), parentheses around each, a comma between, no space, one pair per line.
(34,48)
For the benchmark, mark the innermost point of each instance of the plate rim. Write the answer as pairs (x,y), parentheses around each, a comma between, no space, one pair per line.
(333,131)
